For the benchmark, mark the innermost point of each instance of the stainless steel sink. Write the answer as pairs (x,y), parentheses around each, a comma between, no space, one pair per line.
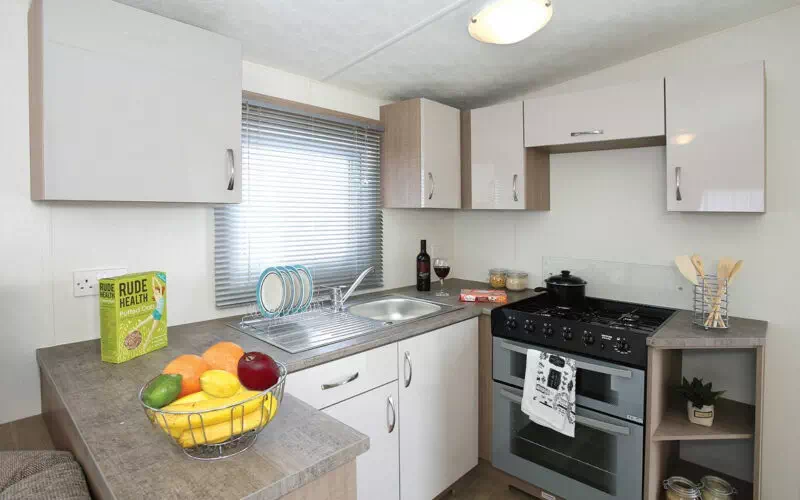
(395,309)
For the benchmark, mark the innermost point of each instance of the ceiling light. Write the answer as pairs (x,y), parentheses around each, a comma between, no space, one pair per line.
(510,21)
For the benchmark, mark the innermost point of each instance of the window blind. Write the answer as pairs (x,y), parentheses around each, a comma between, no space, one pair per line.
(310,195)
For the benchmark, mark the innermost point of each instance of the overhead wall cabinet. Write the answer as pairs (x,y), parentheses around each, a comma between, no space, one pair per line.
(420,160)
(131,106)
(715,140)
(619,116)
(497,172)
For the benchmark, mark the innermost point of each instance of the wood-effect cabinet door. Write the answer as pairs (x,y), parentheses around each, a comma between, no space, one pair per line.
(438,409)
(498,157)
(375,413)
(440,159)
(715,140)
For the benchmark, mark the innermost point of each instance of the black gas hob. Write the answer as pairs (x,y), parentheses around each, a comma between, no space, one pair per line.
(604,329)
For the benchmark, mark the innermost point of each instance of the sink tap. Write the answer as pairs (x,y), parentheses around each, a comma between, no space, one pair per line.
(339,299)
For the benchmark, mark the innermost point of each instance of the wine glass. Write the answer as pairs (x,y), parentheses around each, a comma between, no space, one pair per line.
(442,268)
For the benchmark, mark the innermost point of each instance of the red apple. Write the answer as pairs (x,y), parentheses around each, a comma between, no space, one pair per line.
(257,371)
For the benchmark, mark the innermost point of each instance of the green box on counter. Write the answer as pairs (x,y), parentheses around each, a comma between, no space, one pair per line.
(133,315)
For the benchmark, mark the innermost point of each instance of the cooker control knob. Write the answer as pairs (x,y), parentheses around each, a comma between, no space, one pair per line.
(529,327)
(566,332)
(622,346)
(511,324)
(547,330)
(602,345)
(588,338)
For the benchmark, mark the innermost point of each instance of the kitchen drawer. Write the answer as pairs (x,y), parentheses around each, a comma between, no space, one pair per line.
(630,111)
(330,383)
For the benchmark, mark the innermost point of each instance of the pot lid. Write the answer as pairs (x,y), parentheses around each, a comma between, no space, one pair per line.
(565,279)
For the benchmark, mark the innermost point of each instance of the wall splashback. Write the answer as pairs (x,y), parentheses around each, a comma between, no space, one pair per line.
(629,282)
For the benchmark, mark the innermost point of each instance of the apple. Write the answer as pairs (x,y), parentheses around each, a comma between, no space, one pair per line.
(257,371)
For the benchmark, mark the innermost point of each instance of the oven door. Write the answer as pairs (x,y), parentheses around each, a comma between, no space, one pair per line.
(603,460)
(601,386)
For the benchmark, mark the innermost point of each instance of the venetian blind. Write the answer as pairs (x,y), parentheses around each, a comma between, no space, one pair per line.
(310,195)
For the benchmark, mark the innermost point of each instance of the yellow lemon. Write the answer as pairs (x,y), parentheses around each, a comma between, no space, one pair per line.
(219,383)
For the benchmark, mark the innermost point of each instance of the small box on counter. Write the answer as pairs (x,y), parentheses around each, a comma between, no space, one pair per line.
(496,296)
(133,315)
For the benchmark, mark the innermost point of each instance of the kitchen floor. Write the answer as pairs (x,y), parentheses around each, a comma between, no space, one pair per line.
(484,482)
(25,434)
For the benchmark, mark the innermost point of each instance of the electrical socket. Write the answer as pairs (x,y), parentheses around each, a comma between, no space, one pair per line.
(85,282)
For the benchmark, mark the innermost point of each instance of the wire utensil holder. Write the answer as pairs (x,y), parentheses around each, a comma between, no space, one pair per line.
(711,302)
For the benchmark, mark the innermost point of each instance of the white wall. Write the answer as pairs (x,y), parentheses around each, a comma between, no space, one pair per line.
(610,205)
(44,242)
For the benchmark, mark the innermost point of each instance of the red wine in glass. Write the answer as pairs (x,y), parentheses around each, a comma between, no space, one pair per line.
(442,271)
(442,268)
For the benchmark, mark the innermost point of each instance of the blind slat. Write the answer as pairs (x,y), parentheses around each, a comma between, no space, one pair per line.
(310,195)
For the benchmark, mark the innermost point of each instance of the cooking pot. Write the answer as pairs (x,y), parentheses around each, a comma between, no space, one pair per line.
(565,290)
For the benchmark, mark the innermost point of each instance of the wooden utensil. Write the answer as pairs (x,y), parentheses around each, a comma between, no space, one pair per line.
(687,269)
(697,262)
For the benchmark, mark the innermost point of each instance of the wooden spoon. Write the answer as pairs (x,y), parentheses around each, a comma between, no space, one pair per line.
(735,270)
(697,262)
(687,269)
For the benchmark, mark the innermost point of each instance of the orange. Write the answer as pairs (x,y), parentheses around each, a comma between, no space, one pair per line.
(224,356)
(190,367)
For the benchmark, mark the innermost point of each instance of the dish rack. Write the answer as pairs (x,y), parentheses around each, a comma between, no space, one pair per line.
(205,435)
(711,302)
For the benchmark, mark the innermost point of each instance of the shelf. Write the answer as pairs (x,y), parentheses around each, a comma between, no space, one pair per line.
(733,420)
(694,472)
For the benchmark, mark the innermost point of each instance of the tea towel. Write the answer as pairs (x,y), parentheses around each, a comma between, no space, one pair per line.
(548,396)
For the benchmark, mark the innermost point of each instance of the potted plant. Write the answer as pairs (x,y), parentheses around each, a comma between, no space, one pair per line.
(699,401)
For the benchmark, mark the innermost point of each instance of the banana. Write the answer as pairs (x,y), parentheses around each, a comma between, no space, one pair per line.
(207,412)
(222,431)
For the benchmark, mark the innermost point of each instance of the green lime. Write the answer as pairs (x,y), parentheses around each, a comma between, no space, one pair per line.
(162,391)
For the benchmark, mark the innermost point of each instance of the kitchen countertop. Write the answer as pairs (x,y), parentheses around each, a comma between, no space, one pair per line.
(680,333)
(132,459)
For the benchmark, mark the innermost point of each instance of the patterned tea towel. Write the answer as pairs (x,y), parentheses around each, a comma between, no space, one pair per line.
(548,396)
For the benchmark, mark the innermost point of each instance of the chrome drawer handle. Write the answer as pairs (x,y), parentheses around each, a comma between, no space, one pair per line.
(678,196)
(407,361)
(390,406)
(433,186)
(232,164)
(587,132)
(347,380)
(514,187)
(602,426)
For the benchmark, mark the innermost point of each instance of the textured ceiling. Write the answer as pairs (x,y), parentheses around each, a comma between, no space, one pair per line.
(399,49)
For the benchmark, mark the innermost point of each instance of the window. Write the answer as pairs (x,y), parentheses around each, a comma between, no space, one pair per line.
(310,195)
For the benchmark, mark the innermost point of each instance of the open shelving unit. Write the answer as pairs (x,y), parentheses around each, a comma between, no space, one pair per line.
(667,425)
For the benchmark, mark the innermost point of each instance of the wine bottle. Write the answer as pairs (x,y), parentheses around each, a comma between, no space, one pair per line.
(423,269)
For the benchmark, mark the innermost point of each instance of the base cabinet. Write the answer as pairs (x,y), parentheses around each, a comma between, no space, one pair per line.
(438,408)
(375,413)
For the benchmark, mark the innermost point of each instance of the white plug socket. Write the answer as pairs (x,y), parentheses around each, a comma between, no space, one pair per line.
(85,282)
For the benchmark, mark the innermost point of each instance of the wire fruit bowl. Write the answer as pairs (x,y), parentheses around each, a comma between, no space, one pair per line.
(220,432)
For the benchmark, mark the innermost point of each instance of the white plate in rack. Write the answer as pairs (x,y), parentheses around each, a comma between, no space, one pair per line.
(308,286)
(271,292)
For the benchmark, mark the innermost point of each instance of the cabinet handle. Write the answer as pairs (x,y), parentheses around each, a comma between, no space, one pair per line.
(678,184)
(514,187)
(232,165)
(340,383)
(587,132)
(407,362)
(390,407)
(433,186)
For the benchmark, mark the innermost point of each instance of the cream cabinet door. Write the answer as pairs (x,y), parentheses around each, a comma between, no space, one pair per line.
(715,140)
(629,111)
(440,160)
(497,157)
(375,413)
(131,106)
(438,409)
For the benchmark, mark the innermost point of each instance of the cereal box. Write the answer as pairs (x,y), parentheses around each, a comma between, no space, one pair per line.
(133,315)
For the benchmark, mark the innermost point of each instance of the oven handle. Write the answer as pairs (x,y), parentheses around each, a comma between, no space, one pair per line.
(579,419)
(614,372)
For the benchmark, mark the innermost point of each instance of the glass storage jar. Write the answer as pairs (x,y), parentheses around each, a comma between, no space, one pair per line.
(516,280)
(716,488)
(680,488)
(497,278)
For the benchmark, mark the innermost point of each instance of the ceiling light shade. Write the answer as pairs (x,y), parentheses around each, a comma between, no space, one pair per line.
(510,21)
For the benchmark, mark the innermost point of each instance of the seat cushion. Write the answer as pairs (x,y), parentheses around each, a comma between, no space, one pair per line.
(41,475)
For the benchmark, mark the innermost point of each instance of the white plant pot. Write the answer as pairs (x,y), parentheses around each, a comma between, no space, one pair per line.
(700,416)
